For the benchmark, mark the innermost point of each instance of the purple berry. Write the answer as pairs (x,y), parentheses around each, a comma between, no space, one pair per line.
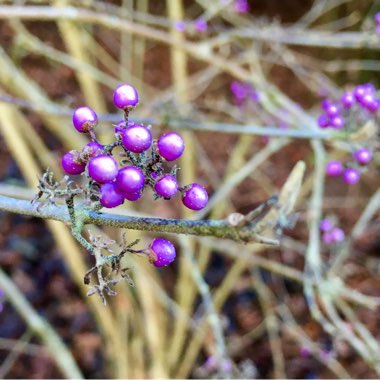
(369,102)
(347,100)
(325,104)
(200,24)
(170,146)
(125,96)
(132,197)
(359,92)
(166,186)
(323,121)
(337,235)
(195,197)
(130,179)
(137,138)
(373,106)
(92,148)
(102,168)
(337,122)
(332,110)
(110,196)
(71,163)
(163,251)
(241,6)
(334,168)
(326,225)
(84,119)
(377,18)
(180,26)
(351,176)
(327,238)
(363,156)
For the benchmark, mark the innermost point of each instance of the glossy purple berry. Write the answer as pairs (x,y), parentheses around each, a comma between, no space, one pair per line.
(241,6)
(91,149)
(170,146)
(102,168)
(337,235)
(337,122)
(84,119)
(195,197)
(325,104)
(110,196)
(334,168)
(326,225)
(359,92)
(332,110)
(363,156)
(351,176)
(137,138)
(323,121)
(166,186)
(200,24)
(347,100)
(132,197)
(130,179)
(71,163)
(163,252)
(369,102)
(125,96)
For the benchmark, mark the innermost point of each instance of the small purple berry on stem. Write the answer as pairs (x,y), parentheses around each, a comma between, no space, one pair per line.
(241,6)
(71,163)
(84,119)
(166,186)
(351,176)
(92,148)
(326,225)
(164,252)
(130,179)
(132,197)
(347,100)
(363,156)
(334,168)
(323,121)
(359,92)
(337,235)
(195,197)
(103,168)
(332,110)
(137,138)
(170,146)
(337,122)
(125,96)
(110,196)
(200,24)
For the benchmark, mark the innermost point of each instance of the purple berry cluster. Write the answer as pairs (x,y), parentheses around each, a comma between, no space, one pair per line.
(357,105)
(243,92)
(127,180)
(350,173)
(113,180)
(330,233)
